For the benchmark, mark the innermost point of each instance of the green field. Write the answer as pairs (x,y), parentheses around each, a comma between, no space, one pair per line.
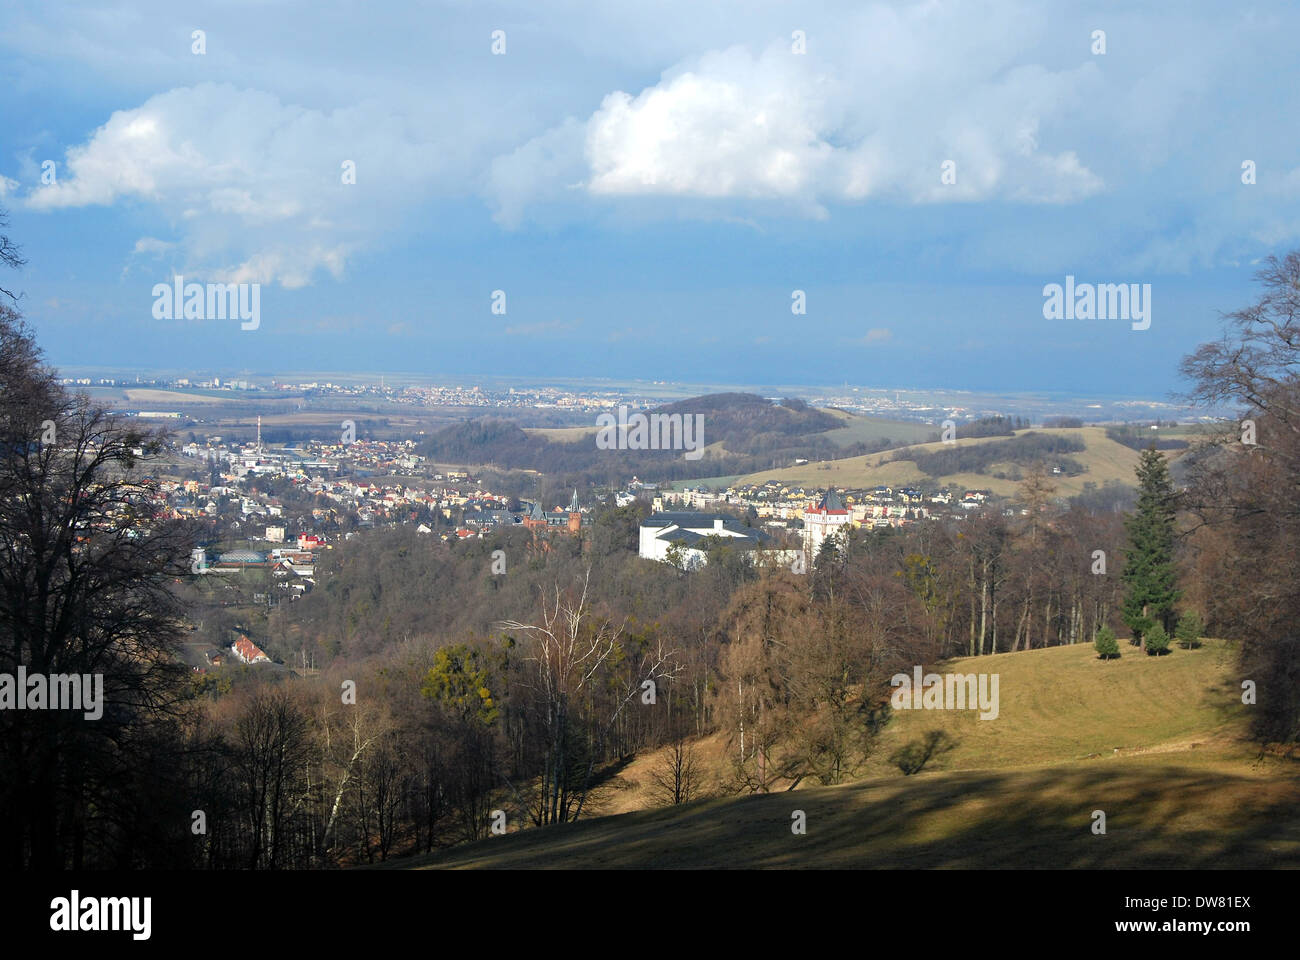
(713,483)
(562,434)
(1062,705)
(1156,743)
(870,429)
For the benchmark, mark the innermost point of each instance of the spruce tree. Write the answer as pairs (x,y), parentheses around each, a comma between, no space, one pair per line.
(1189,630)
(1106,645)
(1157,641)
(1149,573)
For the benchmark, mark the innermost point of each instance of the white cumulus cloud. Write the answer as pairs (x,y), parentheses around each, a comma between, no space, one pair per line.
(812,130)
(228,165)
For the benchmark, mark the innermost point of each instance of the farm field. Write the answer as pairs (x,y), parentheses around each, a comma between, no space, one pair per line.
(1105,460)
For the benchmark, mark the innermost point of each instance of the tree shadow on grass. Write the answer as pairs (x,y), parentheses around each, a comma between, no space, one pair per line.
(1176,818)
(913,757)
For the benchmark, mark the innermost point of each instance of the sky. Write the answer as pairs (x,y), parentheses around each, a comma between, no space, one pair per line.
(649,184)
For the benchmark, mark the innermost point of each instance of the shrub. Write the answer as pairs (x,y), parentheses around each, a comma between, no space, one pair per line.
(1106,644)
(1157,641)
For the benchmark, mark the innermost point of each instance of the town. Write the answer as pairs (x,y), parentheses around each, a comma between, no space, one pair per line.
(326,492)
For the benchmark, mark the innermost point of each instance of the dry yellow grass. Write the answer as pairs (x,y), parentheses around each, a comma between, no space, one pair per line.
(1057,706)
(1105,459)
(164,397)
(1062,705)
(1157,816)
(561,434)
(1156,743)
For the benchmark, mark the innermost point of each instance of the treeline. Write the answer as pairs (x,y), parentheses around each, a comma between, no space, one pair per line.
(386,585)
(995,426)
(747,423)
(1025,450)
(1243,500)
(1140,438)
(414,750)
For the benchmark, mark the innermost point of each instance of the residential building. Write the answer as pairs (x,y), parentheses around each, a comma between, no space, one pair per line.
(685,534)
(246,651)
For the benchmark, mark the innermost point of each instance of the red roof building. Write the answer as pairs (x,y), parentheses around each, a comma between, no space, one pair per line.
(248,652)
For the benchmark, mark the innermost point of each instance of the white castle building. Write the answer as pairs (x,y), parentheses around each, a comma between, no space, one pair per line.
(819,522)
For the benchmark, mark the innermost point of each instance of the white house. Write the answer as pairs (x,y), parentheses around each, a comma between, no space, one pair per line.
(688,531)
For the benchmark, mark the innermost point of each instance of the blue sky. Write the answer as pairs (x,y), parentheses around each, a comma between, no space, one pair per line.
(648,183)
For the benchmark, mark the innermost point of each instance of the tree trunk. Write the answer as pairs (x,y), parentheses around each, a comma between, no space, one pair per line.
(972,606)
(984,603)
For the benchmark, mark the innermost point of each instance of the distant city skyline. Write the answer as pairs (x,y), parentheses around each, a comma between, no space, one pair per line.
(582,395)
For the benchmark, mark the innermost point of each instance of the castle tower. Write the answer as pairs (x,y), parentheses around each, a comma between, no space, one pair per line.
(575,513)
(828,517)
(536,519)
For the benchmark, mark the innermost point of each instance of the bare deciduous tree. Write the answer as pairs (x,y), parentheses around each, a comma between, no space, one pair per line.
(86,565)
(1247,485)
(571,651)
(676,776)
(10,254)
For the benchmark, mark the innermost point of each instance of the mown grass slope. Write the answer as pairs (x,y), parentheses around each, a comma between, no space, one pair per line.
(1063,704)
(1155,743)
(1157,815)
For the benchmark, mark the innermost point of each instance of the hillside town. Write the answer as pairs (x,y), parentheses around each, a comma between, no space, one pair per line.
(284,504)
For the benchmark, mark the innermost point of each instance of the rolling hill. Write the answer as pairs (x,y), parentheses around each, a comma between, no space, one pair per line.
(740,432)
(1155,743)
(1104,460)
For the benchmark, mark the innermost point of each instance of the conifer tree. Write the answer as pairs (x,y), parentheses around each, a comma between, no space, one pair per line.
(1106,645)
(1149,573)
(1157,641)
(1189,629)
